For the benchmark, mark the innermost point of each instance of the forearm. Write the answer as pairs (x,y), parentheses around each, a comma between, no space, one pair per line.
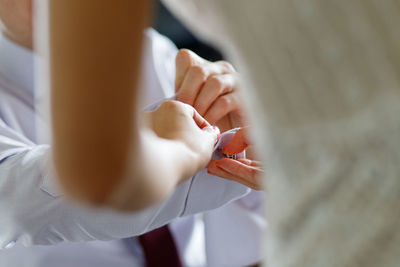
(159,166)
(95,55)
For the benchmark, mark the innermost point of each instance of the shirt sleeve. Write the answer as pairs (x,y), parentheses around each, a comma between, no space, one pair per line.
(240,222)
(34,212)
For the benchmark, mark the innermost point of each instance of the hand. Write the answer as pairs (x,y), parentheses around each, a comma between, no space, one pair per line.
(211,88)
(180,122)
(245,171)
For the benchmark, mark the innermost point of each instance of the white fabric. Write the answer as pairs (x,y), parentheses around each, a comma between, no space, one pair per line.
(33,212)
(326,98)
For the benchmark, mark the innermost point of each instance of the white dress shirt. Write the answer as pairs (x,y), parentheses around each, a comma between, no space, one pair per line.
(33,211)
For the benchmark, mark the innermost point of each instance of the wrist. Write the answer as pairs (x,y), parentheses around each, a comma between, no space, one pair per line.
(175,158)
(150,177)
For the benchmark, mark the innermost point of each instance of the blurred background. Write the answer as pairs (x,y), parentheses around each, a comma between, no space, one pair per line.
(166,24)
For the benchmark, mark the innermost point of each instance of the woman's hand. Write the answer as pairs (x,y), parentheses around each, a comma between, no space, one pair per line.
(181,123)
(211,88)
(245,171)
(176,144)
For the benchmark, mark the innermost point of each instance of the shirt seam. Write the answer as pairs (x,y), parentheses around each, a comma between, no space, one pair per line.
(187,196)
(2,160)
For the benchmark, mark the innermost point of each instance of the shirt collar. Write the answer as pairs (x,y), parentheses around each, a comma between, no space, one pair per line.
(16,64)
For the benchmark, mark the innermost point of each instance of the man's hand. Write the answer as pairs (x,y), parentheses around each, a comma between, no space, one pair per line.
(211,88)
(245,171)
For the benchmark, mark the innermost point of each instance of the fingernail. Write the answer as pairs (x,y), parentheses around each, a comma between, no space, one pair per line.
(203,125)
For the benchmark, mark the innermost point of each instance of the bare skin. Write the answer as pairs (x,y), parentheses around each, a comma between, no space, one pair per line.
(245,171)
(100,149)
(16,16)
(212,88)
(94,160)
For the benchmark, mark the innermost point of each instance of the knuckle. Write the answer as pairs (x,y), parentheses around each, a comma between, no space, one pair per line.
(211,117)
(171,105)
(200,108)
(198,71)
(228,66)
(224,102)
(186,106)
(215,82)
(183,57)
(183,52)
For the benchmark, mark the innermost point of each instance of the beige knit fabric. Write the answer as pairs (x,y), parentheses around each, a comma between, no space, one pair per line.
(325,100)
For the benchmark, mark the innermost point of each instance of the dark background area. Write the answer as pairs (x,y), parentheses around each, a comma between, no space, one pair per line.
(166,24)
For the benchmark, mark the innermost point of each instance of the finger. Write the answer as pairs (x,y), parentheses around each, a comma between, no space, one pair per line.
(249,162)
(213,169)
(183,61)
(223,105)
(195,73)
(202,123)
(237,168)
(199,120)
(238,144)
(193,81)
(225,66)
(215,133)
(186,59)
(212,132)
(215,86)
(228,176)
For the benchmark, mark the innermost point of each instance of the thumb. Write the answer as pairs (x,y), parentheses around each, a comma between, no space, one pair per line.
(238,144)
(213,132)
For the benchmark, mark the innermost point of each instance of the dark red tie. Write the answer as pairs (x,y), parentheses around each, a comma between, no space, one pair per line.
(159,248)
